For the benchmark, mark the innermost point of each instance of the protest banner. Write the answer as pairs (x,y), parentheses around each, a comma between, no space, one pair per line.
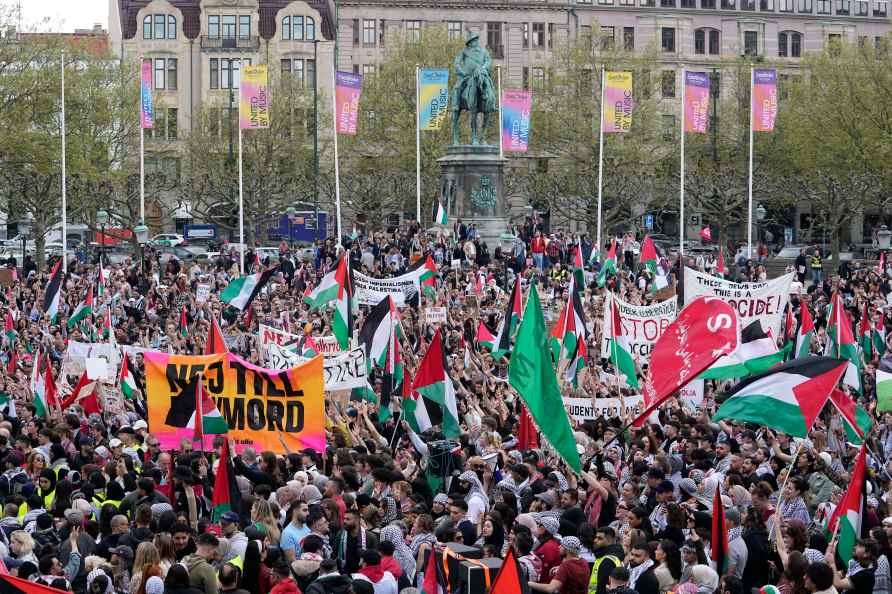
(691,395)
(262,407)
(344,372)
(763,301)
(327,345)
(584,409)
(643,325)
(370,291)
(77,353)
(435,315)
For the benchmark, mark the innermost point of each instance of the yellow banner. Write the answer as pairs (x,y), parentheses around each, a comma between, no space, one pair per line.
(253,107)
(618,103)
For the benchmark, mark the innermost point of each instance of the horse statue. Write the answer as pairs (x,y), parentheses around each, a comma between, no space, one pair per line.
(473,90)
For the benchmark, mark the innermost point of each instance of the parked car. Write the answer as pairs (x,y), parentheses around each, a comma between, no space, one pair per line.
(168,239)
(165,253)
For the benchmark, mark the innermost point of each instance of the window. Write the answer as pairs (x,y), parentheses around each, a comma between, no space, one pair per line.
(538,35)
(786,5)
(171,74)
(834,44)
(667,3)
(368,33)
(172,113)
(355,31)
(159,125)
(160,73)
(608,39)
(413,31)
(297,28)
(747,4)
(310,32)
(228,26)
(229,70)
(806,6)
(551,35)
(667,84)
(643,86)
(689,3)
(453,29)
(311,73)
(707,4)
(147,27)
(494,39)
(160,26)
(244,27)
(286,68)
(286,28)
(795,45)
(667,39)
(728,4)
(766,5)
(751,43)
(782,44)
(627,2)
(649,3)
(629,39)
(213,26)
(668,125)
(215,72)
(843,7)
(525,31)
(700,41)
(706,41)
(823,6)
(214,128)
(879,8)
(297,69)
(862,8)
(880,46)
(538,78)
(525,83)
(368,70)
(605,2)
(171,27)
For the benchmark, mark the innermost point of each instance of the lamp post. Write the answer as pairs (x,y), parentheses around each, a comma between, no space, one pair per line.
(142,237)
(291,212)
(316,129)
(102,221)
(24,231)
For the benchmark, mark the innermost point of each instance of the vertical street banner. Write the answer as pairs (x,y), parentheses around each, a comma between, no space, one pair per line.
(147,111)
(764,97)
(262,408)
(348,88)
(433,97)
(253,106)
(696,101)
(516,108)
(618,103)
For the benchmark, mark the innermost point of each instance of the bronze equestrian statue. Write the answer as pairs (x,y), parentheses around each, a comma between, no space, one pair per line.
(473,90)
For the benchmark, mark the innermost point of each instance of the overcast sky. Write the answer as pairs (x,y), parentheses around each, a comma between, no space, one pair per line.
(64,15)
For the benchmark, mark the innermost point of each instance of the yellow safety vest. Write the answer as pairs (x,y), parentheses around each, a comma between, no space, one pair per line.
(593,581)
(47,503)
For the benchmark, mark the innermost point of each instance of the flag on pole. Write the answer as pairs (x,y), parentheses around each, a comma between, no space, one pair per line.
(569,337)
(43,386)
(242,291)
(764,98)
(789,324)
(432,381)
(618,102)
(720,270)
(650,261)
(253,105)
(878,335)
(856,421)
(214,343)
(146,110)
(127,381)
(609,265)
(348,88)
(842,341)
(440,216)
(516,109)
(227,496)
(513,316)
(53,289)
(578,267)
(531,373)
(806,331)
(865,334)
(435,581)
(850,511)
(786,398)
(756,353)
(100,281)
(484,337)
(620,353)
(336,286)
(9,328)
(719,540)
(433,98)
(696,101)
(83,310)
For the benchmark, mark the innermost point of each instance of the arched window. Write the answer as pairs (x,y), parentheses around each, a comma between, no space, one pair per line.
(171,27)
(706,41)
(147,27)
(286,28)
(789,44)
(311,29)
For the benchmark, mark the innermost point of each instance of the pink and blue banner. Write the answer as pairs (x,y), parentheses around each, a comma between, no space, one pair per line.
(253,105)
(618,103)
(433,97)
(516,108)
(348,88)
(764,99)
(146,110)
(696,101)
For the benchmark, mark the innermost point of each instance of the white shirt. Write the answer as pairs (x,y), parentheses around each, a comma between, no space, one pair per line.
(386,585)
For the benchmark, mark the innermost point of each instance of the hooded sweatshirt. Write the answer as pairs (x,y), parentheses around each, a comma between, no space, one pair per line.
(382,581)
(332,583)
(201,574)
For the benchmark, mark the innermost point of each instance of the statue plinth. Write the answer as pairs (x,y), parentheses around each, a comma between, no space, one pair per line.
(472,188)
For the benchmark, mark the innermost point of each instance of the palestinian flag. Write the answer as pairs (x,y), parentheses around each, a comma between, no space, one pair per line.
(620,355)
(415,413)
(719,541)
(227,496)
(84,393)
(9,328)
(650,260)
(806,332)
(7,405)
(568,336)
(510,321)
(107,331)
(308,347)
(242,291)
(336,286)
(578,268)
(850,511)
(789,324)
(878,335)
(194,409)
(12,363)
(214,343)
(756,353)
(83,310)
(609,265)
(184,323)
(395,381)
(842,342)
(367,393)
(432,381)
(375,334)
(865,330)
(856,420)
(53,290)
(100,281)
(15,585)
(128,381)
(510,579)
(440,216)
(484,337)
(884,387)
(43,386)
(435,581)
(426,270)
(786,398)
(720,270)
(593,255)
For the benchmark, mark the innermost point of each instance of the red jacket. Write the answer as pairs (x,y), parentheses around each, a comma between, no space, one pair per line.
(286,586)
(549,552)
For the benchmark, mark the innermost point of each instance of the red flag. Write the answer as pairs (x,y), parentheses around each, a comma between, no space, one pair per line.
(14,585)
(790,324)
(510,579)
(720,265)
(82,383)
(527,436)
(13,362)
(704,331)
(184,323)
(706,234)
(226,495)
(198,430)
(91,404)
(719,543)
(215,343)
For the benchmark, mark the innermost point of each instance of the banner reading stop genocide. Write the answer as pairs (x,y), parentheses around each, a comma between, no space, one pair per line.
(643,325)
(762,301)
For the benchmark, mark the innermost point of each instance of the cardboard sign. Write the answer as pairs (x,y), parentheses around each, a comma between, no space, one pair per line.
(435,315)
(202,292)
(691,396)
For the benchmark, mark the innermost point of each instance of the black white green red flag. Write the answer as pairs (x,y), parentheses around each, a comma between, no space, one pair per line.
(849,514)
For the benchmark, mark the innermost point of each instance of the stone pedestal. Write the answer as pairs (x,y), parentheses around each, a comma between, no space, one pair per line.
(471,185)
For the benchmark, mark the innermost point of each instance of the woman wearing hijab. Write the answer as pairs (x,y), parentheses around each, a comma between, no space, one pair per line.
(47,487)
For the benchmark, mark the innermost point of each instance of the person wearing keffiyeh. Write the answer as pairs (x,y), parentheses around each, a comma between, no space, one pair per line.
(475,496)
(401,552)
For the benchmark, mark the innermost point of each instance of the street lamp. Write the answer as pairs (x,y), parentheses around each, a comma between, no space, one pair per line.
(102,221)
(24,231)
(291,212)
(142,237)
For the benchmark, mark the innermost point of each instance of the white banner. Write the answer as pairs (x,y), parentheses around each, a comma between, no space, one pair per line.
(691,396)
(370,291)
(584,409)
(202,292)
(343,372)
(643,325)
(328,345)
(77,353)
(763,301)
(435,315)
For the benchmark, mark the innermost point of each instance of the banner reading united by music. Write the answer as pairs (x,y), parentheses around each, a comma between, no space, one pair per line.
(433,97)
(516,108)
(254,98)
(696,101)
(764,99)
(146,109)
(348,88)
(618,102)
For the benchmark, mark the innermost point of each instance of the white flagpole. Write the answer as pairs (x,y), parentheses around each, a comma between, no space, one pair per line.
(64,180)
(334,121)
(142,159)
(681,219)
(417,143)
(241,204)
(499,83)
(600,157)
(749,207)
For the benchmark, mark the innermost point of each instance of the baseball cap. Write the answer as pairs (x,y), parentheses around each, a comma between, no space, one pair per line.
(140,424)
(229,517)
(122,551)
(115,443)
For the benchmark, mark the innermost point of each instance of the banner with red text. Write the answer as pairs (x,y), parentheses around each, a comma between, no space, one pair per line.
(696,101)
(642,324)
(764,99)
(348,88)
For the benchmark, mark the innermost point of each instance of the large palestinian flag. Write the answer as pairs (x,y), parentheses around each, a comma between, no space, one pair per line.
(568,336)
(426,270)
(336,286)
(83,310)
(756,353)
(379,338)
(850,511)
(842,342)
(856,421)
(484,338)
(510,321)
(128,381)
(242,291)
(434,383)
(786,398)
(53,290)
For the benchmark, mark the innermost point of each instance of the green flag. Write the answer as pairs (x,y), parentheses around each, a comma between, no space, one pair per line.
(532,375)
